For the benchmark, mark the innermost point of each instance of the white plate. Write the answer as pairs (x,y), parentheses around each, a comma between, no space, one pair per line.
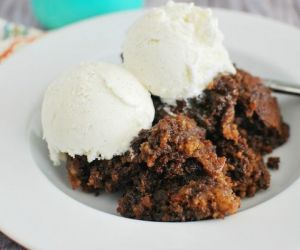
(38,208)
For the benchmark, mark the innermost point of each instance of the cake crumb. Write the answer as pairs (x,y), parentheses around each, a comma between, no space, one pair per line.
(273,163)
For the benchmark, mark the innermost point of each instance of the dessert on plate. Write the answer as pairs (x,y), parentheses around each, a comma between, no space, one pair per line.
(177,128)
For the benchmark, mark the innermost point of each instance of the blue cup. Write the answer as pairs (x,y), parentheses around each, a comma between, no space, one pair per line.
(56,13)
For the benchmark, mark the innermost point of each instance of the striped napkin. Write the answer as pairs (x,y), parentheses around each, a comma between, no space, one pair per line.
(14,36)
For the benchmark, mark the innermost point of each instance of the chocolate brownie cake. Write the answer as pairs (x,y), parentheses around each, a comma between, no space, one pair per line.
(243,121)
(238,106)
(181,177)
(109,175)
(200,157)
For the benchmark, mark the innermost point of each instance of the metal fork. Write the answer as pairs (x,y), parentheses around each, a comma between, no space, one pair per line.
(282,87)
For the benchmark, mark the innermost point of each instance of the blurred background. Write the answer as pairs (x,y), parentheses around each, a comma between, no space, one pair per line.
(50,14)
(54,13)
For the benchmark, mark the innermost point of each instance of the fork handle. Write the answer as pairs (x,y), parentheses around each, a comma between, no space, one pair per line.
(282,87)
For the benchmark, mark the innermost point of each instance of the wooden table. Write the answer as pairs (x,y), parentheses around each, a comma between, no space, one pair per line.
(283,10)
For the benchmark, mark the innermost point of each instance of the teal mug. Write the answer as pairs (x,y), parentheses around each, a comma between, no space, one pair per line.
(56,13)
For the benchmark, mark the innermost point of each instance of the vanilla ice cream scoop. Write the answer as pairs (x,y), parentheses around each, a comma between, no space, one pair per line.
(176,51)
(96,109)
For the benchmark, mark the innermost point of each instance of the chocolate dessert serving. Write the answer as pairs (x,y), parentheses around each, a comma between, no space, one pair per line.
(177,129)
